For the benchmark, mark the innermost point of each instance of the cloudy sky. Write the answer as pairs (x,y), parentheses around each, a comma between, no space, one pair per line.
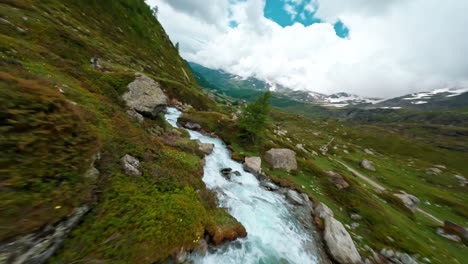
(377,48)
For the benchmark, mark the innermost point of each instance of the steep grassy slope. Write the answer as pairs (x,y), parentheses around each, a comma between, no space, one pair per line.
(57,112)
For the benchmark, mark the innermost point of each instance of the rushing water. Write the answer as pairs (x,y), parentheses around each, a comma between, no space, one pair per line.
(274,234)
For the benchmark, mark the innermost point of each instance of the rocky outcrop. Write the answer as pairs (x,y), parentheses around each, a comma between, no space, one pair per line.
(252,164)
(284,159)
(131,165)
(340,245)
(145,96)
(134,116)
(38,247)
(337,179)
(206,148)
(368,165)
(410,201)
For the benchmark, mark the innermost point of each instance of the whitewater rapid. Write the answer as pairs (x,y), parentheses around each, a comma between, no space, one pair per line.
(275,236)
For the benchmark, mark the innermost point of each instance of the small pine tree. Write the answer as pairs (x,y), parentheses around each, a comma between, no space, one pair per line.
(155,10)
(254,117)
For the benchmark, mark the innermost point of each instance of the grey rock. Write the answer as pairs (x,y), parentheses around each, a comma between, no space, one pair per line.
(201,248)
(134,116)
(368,165)
(252,164)
(461,180)
(442,167)
(192,126)
(323,211)
(39,246)
(337,180)
(355,217)
(339,242)
(181,256)
(368,151)
(284,159)
(354,225)
(432,171)
(294,197)
(206,148)
(236,173)
(131,165)
(410,201)
(270,186)
(145,96)
(454,229)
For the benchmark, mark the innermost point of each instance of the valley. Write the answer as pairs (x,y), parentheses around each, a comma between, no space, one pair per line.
(115,149)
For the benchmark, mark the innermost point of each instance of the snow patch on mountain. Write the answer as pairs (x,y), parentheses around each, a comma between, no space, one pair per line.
(428,95)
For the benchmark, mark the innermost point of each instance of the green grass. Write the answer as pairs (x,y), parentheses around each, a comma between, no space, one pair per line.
(384,216)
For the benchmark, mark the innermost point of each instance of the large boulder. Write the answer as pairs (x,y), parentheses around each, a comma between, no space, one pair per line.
(145,96)
(339,243)
(433,171)
(253,164)
(410,201)
(284,159)
(192,126)
(131,165)
(368,165)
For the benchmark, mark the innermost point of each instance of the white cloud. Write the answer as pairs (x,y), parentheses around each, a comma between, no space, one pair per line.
(395,46)
(291,10)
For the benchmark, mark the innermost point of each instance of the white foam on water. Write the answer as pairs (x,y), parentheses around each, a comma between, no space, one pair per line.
(274,234)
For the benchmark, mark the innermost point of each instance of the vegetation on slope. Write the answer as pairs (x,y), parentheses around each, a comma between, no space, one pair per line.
(58,111)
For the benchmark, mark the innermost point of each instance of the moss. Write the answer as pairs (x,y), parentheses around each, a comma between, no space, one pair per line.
(47,145)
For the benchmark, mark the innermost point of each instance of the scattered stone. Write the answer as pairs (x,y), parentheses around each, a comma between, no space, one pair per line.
(354,225)
(284,159)
(345,151)
(433,171)
(236,173)
(368,151)
(294,197)
(368,165)
(337,180)
(145,96)
(252,164)
(206,148)
(461,180)
(440,167)
(131,165)
(355,217)
(339,242)
(410,201)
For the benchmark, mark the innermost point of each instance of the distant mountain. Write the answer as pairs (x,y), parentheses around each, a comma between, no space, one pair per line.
(438,99)
(248,88)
